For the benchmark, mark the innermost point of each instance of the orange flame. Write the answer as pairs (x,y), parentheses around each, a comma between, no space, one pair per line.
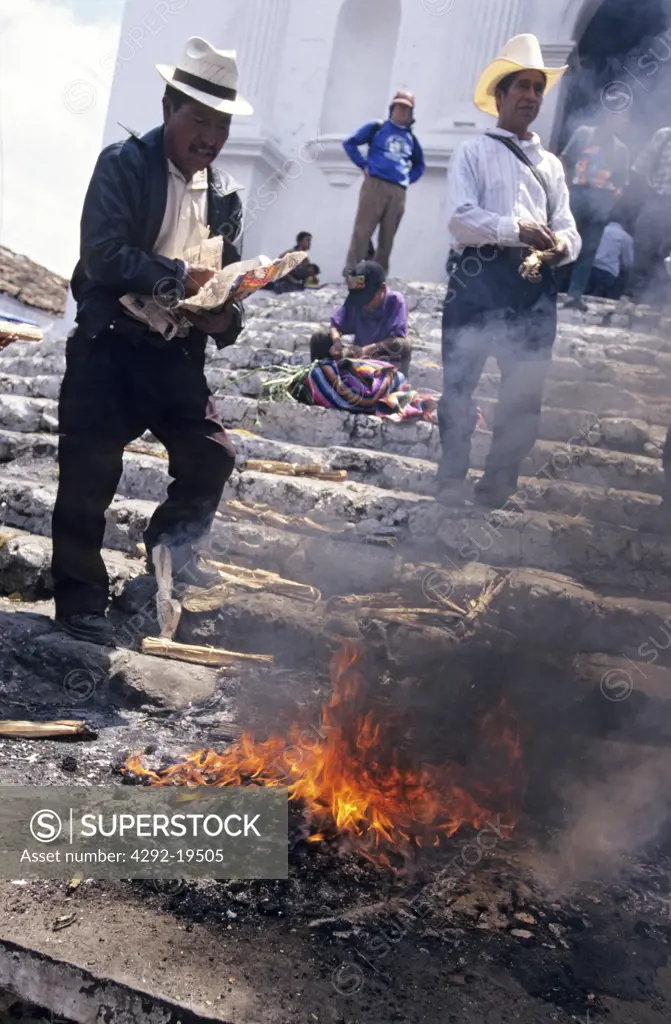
(352,778)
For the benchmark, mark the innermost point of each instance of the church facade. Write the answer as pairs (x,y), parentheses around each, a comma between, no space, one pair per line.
(315,70)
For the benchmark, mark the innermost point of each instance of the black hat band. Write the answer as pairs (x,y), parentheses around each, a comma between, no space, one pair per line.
(221,91)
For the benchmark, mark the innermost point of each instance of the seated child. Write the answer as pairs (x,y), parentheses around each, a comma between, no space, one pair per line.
(305,275)
(375,315)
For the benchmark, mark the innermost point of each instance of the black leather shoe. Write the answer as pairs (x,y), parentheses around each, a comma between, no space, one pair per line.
(578,304)
(91,627)
(494,492)
(450,493)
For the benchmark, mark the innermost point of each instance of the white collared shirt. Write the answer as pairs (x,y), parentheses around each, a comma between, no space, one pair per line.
(185,219)
(489,191)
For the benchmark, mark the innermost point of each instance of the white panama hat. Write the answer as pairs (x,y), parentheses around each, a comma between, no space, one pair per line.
(207,75)
(521,53)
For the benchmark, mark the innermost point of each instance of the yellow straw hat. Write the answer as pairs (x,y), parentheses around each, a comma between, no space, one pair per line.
(521,53)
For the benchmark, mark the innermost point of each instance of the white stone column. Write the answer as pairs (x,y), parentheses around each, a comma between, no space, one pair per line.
(259,39)
(472,34)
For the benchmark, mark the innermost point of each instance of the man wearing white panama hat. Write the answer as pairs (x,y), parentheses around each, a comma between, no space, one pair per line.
(150,199)
(506,195)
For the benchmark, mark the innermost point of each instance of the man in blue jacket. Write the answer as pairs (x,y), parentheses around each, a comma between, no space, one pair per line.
(150,200)
(394,161)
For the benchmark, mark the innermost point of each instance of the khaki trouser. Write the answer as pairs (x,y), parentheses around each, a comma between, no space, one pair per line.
(380,203)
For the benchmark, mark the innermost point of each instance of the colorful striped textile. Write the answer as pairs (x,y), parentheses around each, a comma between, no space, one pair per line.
(365,386)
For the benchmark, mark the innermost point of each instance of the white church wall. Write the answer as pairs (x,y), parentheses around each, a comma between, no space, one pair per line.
(315,70)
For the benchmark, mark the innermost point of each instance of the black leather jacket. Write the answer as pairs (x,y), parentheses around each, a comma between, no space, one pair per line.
(122,216)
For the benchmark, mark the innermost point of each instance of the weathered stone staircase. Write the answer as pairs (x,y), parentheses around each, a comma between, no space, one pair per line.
(582,573)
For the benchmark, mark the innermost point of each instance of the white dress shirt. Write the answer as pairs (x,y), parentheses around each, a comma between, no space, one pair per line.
(616,250)
(489,191)
(185,219)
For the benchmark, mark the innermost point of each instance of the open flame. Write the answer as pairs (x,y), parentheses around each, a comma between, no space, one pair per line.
(351,777)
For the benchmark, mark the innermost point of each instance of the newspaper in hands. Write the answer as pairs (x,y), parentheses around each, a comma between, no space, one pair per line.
(165,315)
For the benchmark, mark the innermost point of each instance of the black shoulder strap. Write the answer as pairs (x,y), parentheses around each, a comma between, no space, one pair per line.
(521,155)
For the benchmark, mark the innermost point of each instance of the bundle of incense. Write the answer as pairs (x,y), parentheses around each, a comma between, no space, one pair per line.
(10,331)
(45,730)
(530,268)
(216,656)
(294,469)
(158,453)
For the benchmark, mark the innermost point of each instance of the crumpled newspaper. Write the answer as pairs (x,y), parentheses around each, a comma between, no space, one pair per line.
(163,311)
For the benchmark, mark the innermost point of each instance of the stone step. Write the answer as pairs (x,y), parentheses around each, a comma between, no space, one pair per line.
(45,666)
(597,553)
(545,611)
(374,480)
(381,460)
(620,433)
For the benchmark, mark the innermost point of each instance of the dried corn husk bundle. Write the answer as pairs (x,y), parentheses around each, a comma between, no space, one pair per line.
(10,331)
(262,579)
(312,469)
(353,602)
(45,730)
(217,656)
(260,512)
(483,601)
(235,577)
(421,617)
(169,611)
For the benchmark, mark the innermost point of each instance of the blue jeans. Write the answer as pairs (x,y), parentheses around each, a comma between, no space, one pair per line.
(591,208)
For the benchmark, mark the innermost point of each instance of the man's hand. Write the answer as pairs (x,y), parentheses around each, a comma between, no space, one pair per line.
(536,236)
(213,323)
(8,339)
(198,276)
(561,254)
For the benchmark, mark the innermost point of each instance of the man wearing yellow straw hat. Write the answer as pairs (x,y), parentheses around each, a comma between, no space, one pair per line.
(507,196)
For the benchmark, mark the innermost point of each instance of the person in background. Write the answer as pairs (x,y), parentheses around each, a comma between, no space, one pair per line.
(596,162)
(506,195)
(150,199)
(375,315)
(394,161)
(652,229)
(304,273)
(613,261)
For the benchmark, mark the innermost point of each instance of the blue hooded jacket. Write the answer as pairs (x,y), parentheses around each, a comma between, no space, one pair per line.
(394,153)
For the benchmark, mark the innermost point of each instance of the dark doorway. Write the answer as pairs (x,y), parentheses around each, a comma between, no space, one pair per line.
(622,61)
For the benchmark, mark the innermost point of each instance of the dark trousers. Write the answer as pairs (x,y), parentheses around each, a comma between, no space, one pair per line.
(591,208)
(652,244)
(605,285)
(490,310)
(114,390)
